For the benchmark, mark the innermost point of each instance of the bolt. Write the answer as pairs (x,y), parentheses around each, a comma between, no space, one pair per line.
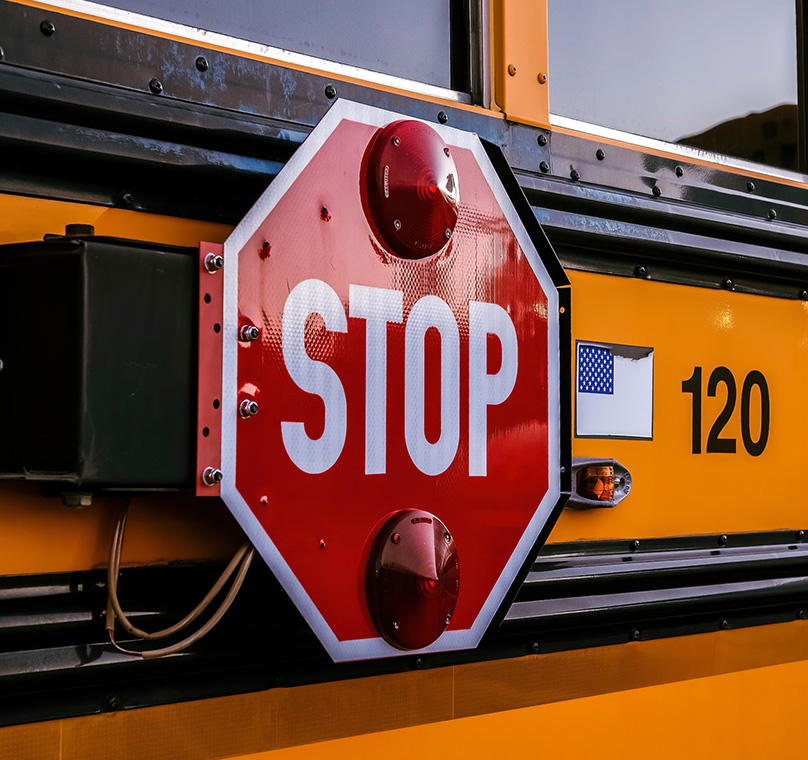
(248,333)
(640,270)
(201,63)
(264,501)
(635,544)
(575,175)
(534,647)
(635,634)
(542,140)
(544,167)
(447,233)
(212,476)
(113,702)
(330,91)
(442,117)
(396,141)
(397,224)
(679,171)
(248,408)
(802,614)
(750,187)
(542,77)
(656,191)
(214,262)
(723,540)
(126,199)
(800,533)
(599,154)
(47,28)
(156,86)
(772,214)
(511,70)
(395,538)
(727,284)
(725,625)
(322,543)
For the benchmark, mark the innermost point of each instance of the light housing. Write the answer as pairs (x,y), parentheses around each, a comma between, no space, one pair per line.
(598,483)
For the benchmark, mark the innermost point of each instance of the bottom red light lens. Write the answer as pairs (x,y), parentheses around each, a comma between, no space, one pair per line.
(413,582)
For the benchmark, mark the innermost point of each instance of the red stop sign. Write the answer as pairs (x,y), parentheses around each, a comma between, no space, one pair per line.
(391,425)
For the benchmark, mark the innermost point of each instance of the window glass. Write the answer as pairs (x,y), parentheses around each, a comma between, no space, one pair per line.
(720,75)
(407,39)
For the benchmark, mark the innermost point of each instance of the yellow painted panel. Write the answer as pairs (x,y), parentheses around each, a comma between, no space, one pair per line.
(37,741)
(677,492)
(520,49)
(750,714)
(23,219)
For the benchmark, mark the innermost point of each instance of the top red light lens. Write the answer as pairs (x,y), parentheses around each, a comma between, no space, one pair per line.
(412,189)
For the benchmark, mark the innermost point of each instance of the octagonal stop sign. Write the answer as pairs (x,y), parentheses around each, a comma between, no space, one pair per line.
(391,424)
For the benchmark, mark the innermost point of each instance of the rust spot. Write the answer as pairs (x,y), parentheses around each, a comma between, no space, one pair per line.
(264,250)
(324,215)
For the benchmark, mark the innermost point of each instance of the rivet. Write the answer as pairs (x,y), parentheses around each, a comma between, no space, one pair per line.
(727,284)
(772,214)
(534,647)
(511,70)
(156,86)
(322,543)
(395,538)
(248,408)
(575,175)
(212,476)
(542,77)
(725,624)
(447,233)
(800,535)
(47,28)
(126,199)
(396,624)
(635,544)
(201,63)
(446,152)
(447,537)
(330,91)
(640,270)
(264,501)
(396,141)
(248,333)
(599,154)
(442,117)
(656,191)
(804,294)
(419,663)
(679,171)
(802,614)
(635,634)
(397,224)
(542,140)
(214,262)
(2,54)
(544,167)
(750,187)
(723,540)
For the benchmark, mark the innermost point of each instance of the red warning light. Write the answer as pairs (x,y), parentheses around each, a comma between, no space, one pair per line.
(413,579)
(412,190)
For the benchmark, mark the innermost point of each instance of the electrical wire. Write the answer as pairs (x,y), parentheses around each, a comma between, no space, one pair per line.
(241,560)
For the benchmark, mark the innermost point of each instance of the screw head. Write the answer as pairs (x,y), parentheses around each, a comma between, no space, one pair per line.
(656,190)
(679,171)
(800,533)
(635,634)
(599,154)
(419,663)
(322,543)
(542,140)
(544,167)
(396,141)
(214,262)
(534,647)
(201,63)
(248,333)
(156,86)
(396,624)
(802,614)
(725,625)
(750,187)
(727,284)
(264,501)
(772,214)
(47,28)
(395,538)
(635,544)
(212,476)
(511,70)
(330,91)
(126,199)
(442,117)
(723,540)
(542,77)
(248,408)
(640,270)
(448,618)
(113,702)
(575,175)
(397,224)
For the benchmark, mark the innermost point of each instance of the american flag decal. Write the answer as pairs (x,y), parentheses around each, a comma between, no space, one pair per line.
(595,370)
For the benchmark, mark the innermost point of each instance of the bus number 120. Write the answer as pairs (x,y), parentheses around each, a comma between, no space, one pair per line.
(715,443)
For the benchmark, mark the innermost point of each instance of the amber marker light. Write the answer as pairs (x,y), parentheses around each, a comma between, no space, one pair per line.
(598,483)
(412,189)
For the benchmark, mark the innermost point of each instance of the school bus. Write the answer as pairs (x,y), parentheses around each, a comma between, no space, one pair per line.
(662,150)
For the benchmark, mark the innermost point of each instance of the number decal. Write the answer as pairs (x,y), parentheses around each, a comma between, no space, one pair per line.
(716,444)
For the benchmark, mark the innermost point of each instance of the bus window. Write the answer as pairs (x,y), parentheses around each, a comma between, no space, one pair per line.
(719,76)
(411,40)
